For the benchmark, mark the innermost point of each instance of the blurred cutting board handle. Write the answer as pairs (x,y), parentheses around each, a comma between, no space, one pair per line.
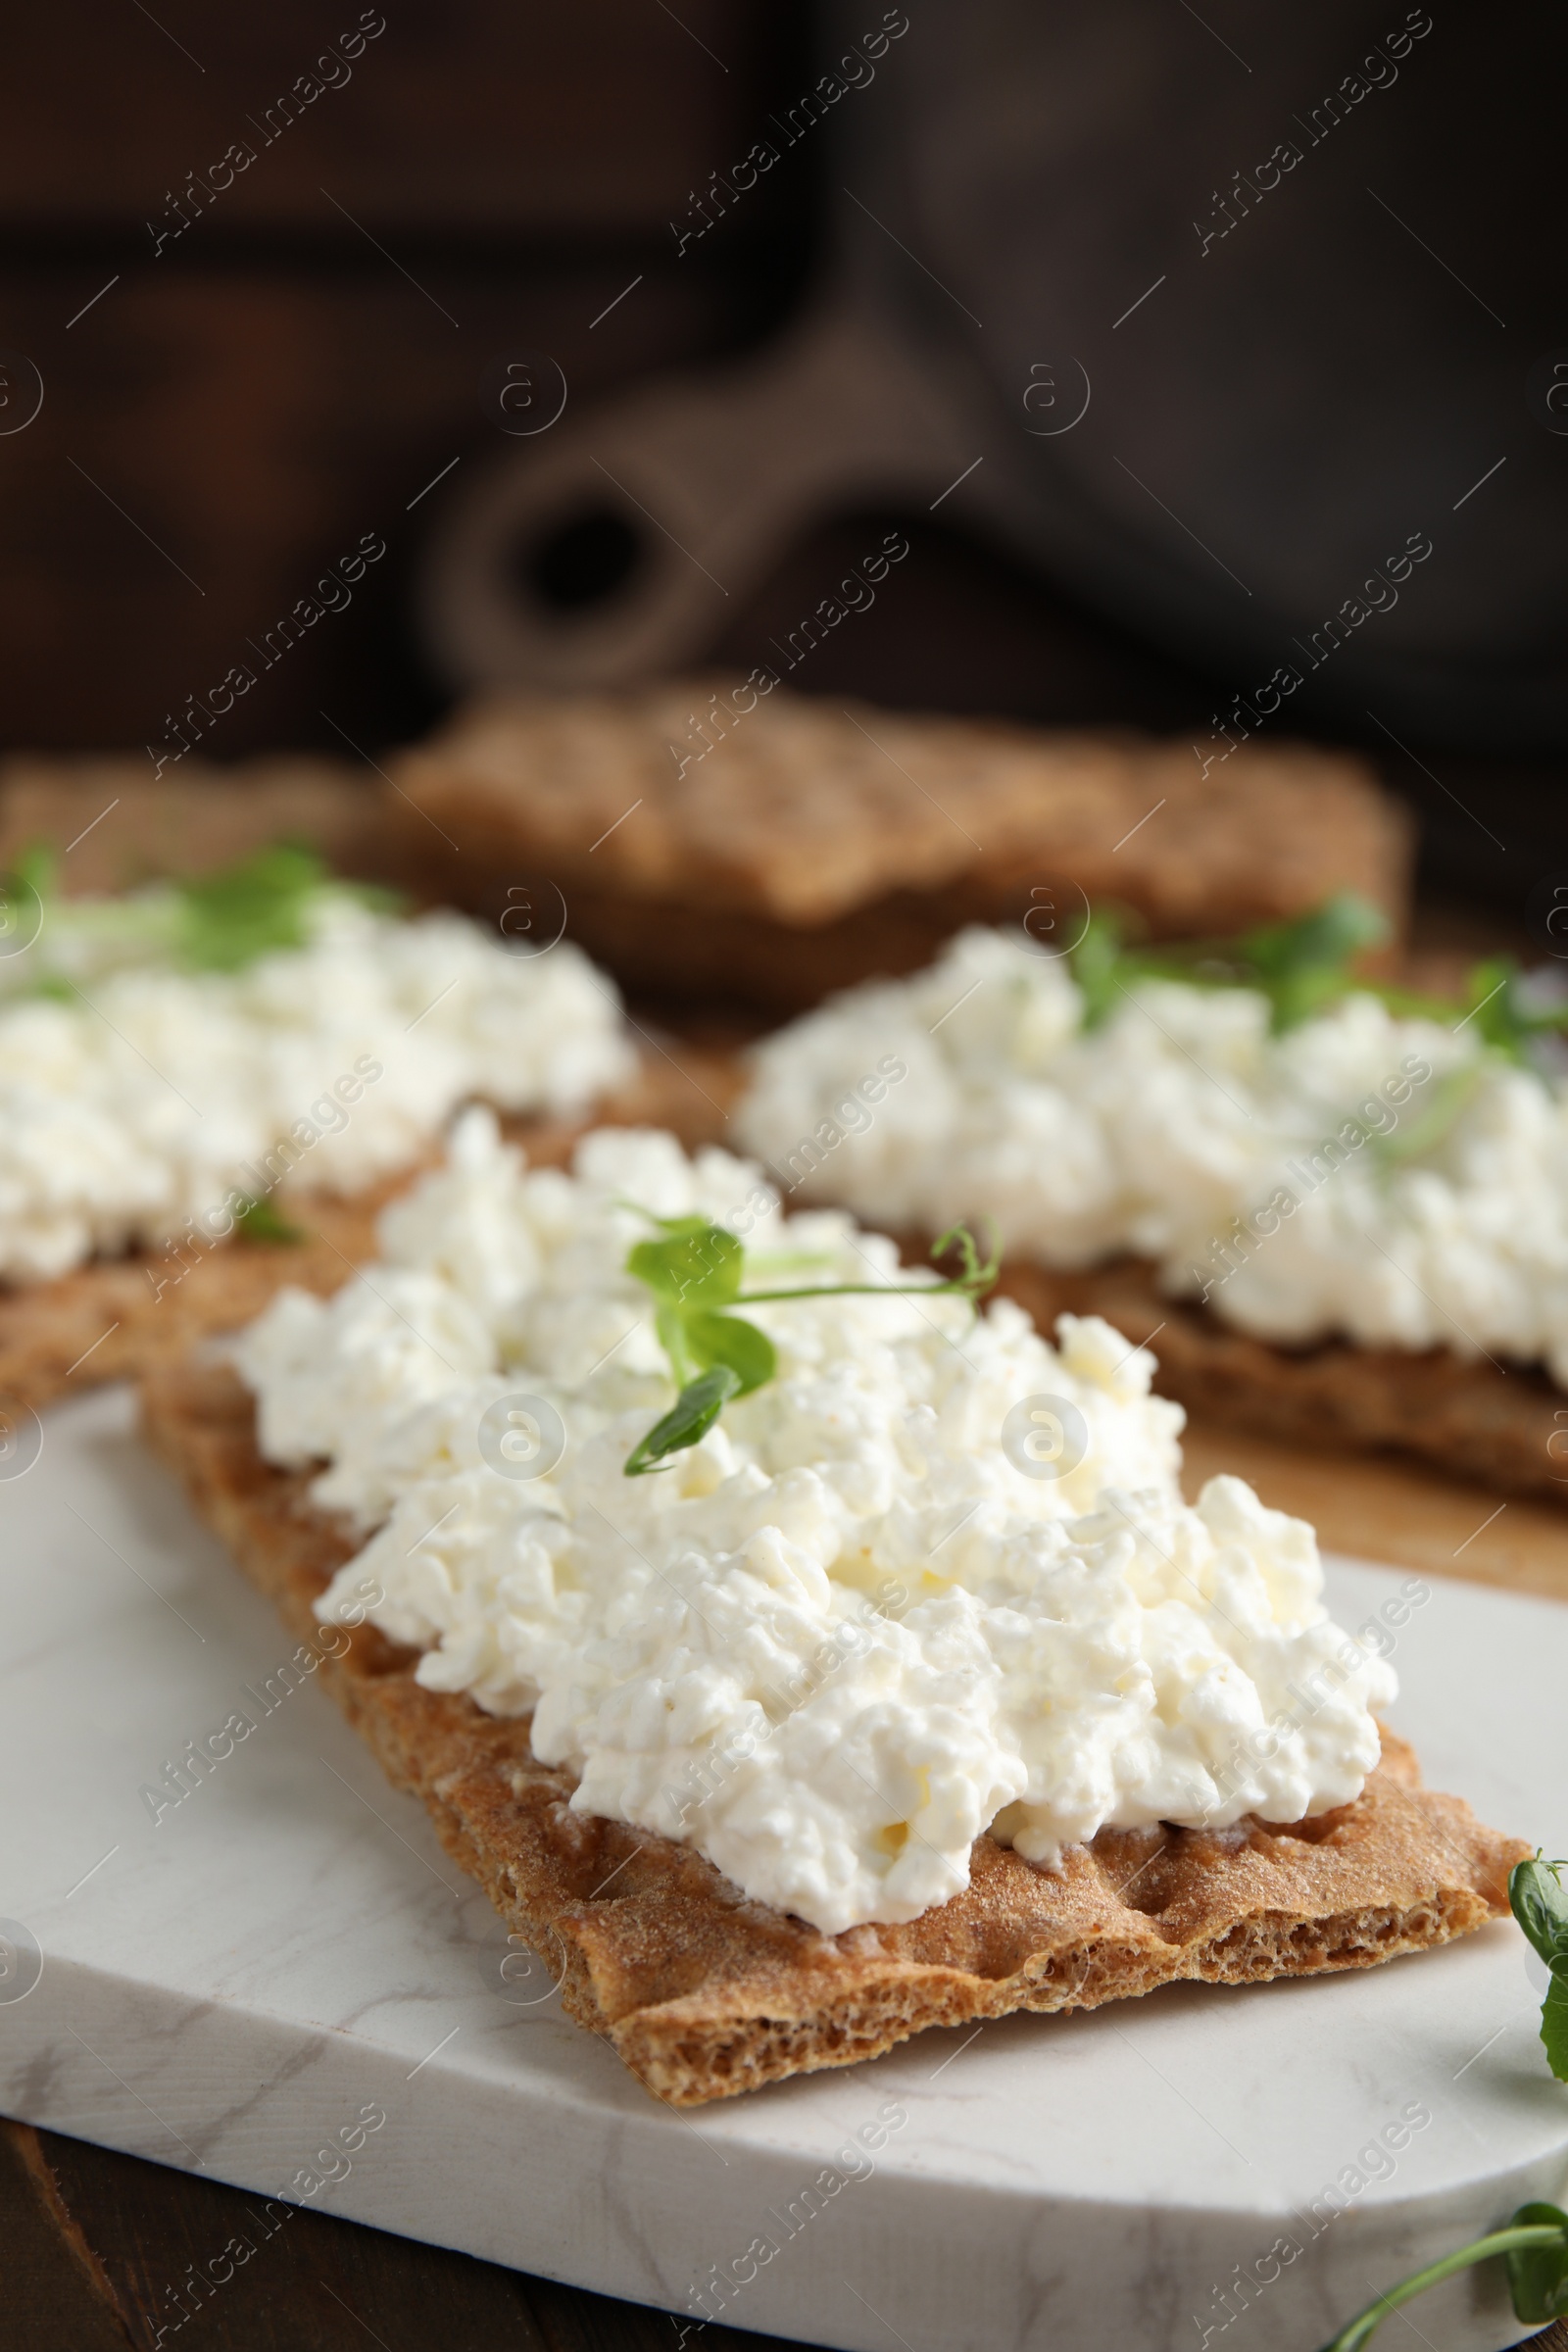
(618,544)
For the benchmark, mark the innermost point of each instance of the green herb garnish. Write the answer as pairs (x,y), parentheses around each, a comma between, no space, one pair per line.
(1540,1906)
(1302,966)
(228,918)
(694,1273)
(1495,1003)
(259,1221)
(231,918)
(1305,965)
(1534,2242)
(1535,2245)
(690,1418)
(216,922)
(37,869)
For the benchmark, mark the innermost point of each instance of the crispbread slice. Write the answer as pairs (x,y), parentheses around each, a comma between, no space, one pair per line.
(117,1317)
(704,1993)
(1505,1425)
(112,824)
(817,845)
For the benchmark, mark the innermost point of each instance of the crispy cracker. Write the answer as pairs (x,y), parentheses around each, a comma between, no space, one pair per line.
(821,844)
(704,1993)
(112,825)
(1476,1419)
(117,1317)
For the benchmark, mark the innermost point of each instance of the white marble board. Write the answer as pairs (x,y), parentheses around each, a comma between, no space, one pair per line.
(231,1985)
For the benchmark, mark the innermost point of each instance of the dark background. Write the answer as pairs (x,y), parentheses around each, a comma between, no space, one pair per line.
(269,388)
(281,378)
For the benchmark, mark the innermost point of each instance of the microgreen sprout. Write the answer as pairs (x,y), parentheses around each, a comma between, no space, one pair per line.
(214,923)
(1301,965)
(1307,965)
(695,1271)
(1534,2243)
(260,1221)
(1535,2246)
(1540,1906)
(228,918)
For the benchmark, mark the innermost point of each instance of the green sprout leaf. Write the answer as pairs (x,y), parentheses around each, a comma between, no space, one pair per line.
(1307,964)
(1538,2275)
(690,1417)
(1540,1906)
(1325,940)
(700,1266)
(1301,965)
(228,918)
(730,1339)
(1102,967)
(696,1272)
(259,1221)
(37,869)
(1497,1001)
(1535,2246)
(216,923)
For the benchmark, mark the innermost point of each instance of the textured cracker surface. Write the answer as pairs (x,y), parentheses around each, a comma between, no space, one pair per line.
(822,843)
(703,1993)
(1476,1419)
(112,825)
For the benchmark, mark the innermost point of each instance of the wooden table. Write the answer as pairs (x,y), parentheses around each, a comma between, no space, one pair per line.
(93,2246)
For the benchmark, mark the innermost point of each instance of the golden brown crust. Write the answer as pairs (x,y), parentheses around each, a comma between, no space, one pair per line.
(821,844)
(1479,1419)
(703,1993)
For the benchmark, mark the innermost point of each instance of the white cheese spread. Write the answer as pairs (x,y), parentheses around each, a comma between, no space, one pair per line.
(858,1623)
(137,1100)
(1384,1177)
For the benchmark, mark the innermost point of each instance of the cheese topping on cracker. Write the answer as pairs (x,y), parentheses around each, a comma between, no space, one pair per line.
(935,1577)
(138,1102)
(1364,1173)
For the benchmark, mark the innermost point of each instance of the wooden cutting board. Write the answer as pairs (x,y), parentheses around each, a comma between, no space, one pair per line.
(1381,1509)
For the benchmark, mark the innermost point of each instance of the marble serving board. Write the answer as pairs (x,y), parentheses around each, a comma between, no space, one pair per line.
(247,1982)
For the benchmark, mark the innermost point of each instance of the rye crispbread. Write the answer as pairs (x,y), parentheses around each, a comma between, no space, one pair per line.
(816,844)
(112,825)
(1507,1425)
(116,1317)
(703,1993)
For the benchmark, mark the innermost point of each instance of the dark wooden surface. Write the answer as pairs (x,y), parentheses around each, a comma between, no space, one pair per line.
(294,367)
(96,2251)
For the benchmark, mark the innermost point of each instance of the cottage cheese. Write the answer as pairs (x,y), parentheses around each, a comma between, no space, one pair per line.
(138,1099)
(1382,1177)
(850,1630)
